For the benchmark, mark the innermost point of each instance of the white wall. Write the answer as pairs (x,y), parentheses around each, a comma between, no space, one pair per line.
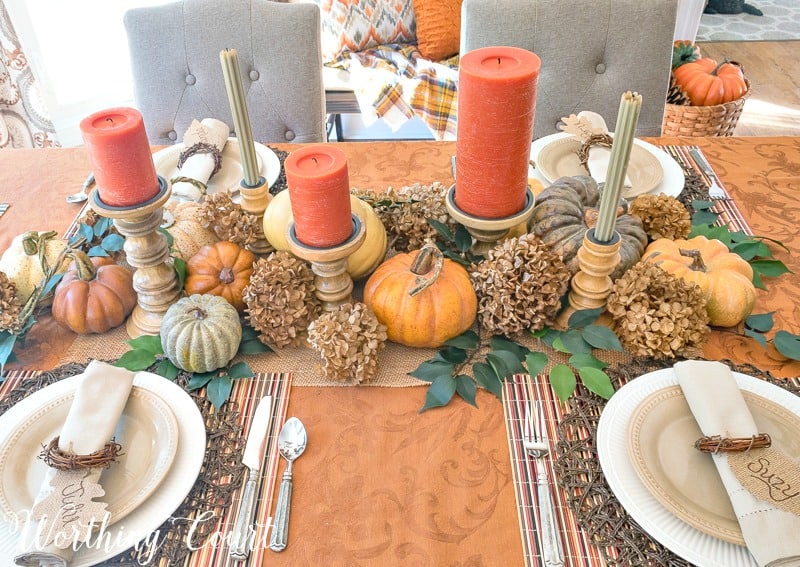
(78,51)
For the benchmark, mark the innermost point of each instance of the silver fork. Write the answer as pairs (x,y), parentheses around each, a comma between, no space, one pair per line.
(714,191)
(536,444)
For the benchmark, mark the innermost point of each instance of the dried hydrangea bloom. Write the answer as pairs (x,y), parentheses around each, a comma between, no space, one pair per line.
(662,216)
(348,341)
(519,286)
(228,220)
(657,314)
(280,299)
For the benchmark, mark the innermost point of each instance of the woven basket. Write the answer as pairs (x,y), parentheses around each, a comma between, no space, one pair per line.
(717,120)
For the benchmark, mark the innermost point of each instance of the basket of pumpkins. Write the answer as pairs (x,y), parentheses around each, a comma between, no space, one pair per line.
(705,97)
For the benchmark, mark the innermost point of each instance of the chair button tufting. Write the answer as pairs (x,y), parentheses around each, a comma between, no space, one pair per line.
(600,68)
(254,75)
(172,135)
(191,79)
(289,135)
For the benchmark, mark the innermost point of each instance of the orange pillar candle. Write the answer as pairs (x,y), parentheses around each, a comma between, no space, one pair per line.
(319,190)
(120,156)
(496,105)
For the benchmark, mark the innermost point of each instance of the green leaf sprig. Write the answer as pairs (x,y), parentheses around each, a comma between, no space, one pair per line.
(146,352)
(578,340)
(102,239)
(446,371)
(757,325)
(455,244)
(753,249)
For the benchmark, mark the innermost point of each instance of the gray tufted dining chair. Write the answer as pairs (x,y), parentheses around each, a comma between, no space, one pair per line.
(177,74)
(591,52)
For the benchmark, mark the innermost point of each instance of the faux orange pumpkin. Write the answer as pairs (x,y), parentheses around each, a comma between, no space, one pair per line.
(707,83)
(423,298)
(223,268)
(725,278)
(94,296)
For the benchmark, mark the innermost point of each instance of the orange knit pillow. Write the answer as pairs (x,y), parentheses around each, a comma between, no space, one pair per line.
(438,28)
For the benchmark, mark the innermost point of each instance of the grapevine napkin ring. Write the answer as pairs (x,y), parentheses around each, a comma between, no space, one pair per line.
(719,444)
(202,148)
(58,459)
(602,140)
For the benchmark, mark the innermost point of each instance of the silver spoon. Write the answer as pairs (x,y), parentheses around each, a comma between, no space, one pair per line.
(291,444)
(83,194)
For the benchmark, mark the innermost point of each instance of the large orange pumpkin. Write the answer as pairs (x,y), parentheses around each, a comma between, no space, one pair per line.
(94,296)
(223,268)
(423,298)
(725,278)
(707,83)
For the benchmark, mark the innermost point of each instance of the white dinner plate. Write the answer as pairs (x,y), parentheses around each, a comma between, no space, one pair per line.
(612,448)
(672,180)
(230,175)
(662,433)
(147,432)
(142,521)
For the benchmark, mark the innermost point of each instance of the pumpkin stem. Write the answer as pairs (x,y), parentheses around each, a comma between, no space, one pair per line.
(198,312)
(697,260)
(425,272)
(226,276)
(84,266)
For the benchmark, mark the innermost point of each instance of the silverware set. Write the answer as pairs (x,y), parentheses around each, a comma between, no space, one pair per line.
(292,442)
(537,445)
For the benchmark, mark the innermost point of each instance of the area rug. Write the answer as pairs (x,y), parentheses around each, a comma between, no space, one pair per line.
(781,21)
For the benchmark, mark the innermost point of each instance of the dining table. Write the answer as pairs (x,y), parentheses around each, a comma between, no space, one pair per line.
(381,482)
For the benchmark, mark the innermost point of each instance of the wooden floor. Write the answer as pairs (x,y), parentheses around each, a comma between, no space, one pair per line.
(773,69)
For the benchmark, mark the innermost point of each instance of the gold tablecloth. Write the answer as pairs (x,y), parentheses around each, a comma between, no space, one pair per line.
(380,484)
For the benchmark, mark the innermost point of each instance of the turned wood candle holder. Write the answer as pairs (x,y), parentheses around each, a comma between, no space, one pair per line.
(333,283)
(255,201)
(146,249)
(487,232)
(591,285)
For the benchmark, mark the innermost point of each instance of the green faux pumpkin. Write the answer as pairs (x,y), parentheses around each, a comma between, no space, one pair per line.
(201,333)
(566,209)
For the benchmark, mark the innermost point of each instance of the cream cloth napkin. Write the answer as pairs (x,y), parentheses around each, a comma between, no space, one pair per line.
(772,535)
(199,166)
(598,155)
(99,401)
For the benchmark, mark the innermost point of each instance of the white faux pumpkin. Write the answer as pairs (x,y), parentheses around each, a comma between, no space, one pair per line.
(188,234)
(21,263)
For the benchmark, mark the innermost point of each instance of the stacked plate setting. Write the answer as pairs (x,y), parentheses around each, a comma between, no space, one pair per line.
(162,434)
(645,444)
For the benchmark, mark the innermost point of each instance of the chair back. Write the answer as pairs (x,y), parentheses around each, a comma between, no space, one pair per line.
(177,74)
(591,52)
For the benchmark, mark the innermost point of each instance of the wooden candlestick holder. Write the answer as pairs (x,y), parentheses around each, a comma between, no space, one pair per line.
(146,249)
(334,286)
(255,201)
(487,232)
(591,286)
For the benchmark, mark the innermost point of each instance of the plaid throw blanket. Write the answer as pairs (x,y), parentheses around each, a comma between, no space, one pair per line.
(393,83)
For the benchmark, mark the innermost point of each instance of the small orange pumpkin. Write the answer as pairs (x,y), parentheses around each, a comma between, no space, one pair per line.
(223,268)
(94,296)
(725,278)
(423,298)
(707,83)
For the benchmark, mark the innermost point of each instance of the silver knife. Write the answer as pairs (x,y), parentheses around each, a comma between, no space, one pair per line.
(243,533)
(702,162)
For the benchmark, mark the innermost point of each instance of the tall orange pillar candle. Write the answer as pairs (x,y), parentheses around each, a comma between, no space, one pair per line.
(496,105)
(319,190)
(120,156)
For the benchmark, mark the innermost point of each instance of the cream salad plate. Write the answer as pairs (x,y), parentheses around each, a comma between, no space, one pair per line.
(162,434)
(651,170)
(645,441)
(231,173)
